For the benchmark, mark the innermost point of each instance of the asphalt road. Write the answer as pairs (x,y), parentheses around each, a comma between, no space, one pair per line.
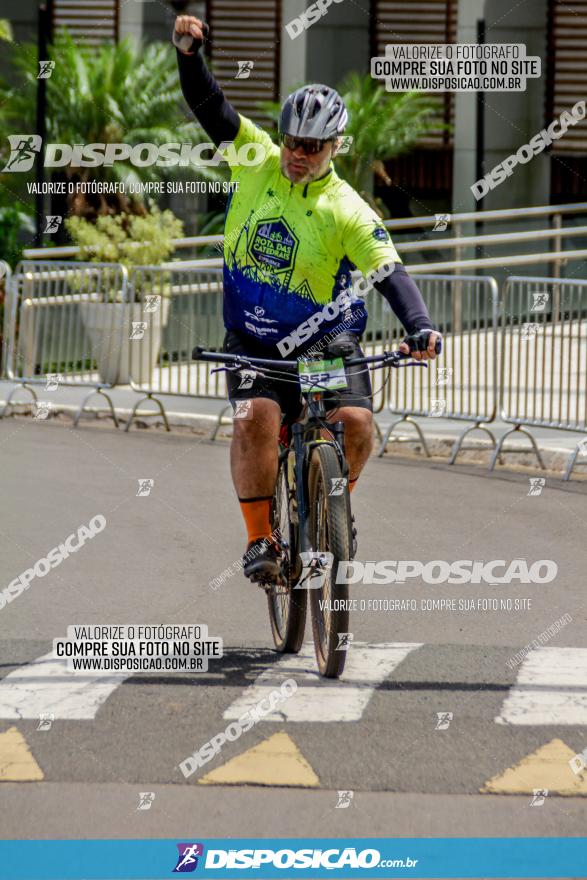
(411,773)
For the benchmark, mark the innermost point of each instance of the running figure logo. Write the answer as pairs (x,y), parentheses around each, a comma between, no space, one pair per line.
(444,719)
(46,68)
(338,485)
(539,301)
(24,149)
(345,799)
(187,860)
(244,69)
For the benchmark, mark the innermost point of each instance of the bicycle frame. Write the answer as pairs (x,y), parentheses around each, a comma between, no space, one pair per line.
(306,434)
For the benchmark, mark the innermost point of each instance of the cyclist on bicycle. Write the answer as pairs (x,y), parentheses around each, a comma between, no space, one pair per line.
(294,231)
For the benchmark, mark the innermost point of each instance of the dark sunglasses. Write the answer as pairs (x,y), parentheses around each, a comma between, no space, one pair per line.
(308,145)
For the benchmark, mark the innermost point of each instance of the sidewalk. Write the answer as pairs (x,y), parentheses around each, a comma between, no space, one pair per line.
(200,414)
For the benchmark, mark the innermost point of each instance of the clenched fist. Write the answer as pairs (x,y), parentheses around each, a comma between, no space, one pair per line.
(189,34)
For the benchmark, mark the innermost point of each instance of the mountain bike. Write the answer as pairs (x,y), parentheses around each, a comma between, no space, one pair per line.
(311,510)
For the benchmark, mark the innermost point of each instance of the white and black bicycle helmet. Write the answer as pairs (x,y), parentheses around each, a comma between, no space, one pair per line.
(314,111)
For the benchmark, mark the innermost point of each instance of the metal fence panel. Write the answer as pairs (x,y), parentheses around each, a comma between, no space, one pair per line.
(544,353)
(6,276)
(462,383)
(174,310)
(66,320)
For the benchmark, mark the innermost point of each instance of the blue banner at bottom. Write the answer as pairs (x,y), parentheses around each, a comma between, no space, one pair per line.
(293,858)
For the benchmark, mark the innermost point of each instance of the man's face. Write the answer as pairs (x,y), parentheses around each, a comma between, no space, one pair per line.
(301,166)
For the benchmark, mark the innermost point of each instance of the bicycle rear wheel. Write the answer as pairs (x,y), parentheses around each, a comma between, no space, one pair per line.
(330,528)
(287,607)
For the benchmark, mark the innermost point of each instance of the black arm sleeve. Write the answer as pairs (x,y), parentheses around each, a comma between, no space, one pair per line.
(402,294)
(206,99)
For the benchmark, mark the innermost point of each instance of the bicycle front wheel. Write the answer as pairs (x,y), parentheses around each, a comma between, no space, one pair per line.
(287,607)
(330,528)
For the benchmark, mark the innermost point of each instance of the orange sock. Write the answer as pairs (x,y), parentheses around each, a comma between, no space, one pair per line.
(352,484)
(255,513)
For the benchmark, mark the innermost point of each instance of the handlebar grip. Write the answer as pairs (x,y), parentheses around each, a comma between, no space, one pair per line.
(197,352)
(438,346)
(187,43)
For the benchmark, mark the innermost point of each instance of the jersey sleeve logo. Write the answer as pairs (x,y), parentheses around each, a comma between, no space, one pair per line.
(380,233)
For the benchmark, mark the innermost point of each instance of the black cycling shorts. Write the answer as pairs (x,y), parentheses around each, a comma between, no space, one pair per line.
(287,392)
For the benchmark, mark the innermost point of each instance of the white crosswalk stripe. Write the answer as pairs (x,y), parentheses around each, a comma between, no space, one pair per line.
(551,688)
(319,699)
(46,686)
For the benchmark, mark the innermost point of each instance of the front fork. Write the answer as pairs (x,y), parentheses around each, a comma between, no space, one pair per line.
(301,450)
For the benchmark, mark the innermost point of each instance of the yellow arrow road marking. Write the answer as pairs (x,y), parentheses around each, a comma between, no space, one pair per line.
(16,761)
(546,768)
(275,761)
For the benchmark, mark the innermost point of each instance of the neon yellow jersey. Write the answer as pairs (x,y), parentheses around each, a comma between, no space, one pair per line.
(289,248)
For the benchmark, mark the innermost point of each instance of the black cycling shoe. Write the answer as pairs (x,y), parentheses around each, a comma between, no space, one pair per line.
(261,562)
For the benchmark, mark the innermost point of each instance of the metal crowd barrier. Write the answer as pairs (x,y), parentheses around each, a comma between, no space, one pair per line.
(463,383)
(172,311)
(6,277)
(65,325)
(544,360)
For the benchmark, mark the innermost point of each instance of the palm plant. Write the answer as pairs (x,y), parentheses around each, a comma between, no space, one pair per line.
(123,93)
(382,125)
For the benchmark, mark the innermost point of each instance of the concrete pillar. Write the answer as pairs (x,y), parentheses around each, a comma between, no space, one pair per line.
(130,19)
(511,118)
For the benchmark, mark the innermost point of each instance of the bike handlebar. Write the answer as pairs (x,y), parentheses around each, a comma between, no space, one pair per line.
(388,358)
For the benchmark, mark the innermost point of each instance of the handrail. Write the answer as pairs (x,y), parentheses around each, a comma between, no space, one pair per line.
(398,224)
